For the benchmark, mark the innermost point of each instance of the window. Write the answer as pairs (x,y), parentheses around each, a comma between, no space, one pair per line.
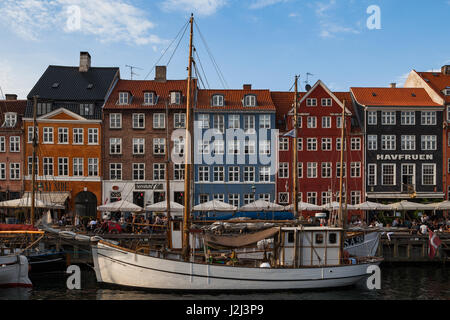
(372,142)
(219,197)
(388,142)
(233,174)
(203,198)
(283,170)
(408,142)
(250,147)
(115,121)
(217,100)
(339,122)
(175,97)
(63,166)
(233,199)
(355,169)
(115,171)
(312,122)
(138,145)
(250,101)
(338,144)
(388,117)
(203,147)
(78,167)
(86,109)
(327,102)
(311,170)
(326,122)
(428,118)
(43,108)
(311,197)
(388,174)
(264,196)
(93,167)
(372,118)
(31,134)
(2,171)
(428,174)
(139,171)
(179,120)
(63,135)
(233,147)
(30,166)
(326,170)
(178,146)
(219,174)
(92,136)
(249,198)
(311,144)
(264,147)
(14,171)
(219,123)
(14,144)
(203,174)
(338,170)
(264,174)
(159,146)
(372,174)
(115,146)
(203,120)
(326,144)
(48,166)
(264,121)
(299,170)
(10,119)
(2,144)
(178,171)
(138,120)
(318,239)
(326,197)
(219,147)
(48,135)
(234,121)
(408,118)
(249,123)
(311,102)
(355,197)
(249,174)
(299,144)
(283,197)
(284,144)
(355,144)
(149,98)
(159,121)
(429,142)
(123,97)
(77,136)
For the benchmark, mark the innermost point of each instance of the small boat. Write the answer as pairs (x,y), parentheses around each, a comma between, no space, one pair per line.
(14,271)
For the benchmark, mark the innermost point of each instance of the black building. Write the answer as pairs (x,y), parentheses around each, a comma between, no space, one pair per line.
(403,143)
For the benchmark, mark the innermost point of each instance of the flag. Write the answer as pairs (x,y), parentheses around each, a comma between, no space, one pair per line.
(290,134)
(434,243)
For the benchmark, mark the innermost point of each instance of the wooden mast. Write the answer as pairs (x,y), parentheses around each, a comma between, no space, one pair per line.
(33,164)
(341,220)
(188,147)
(169,223)
(295,152)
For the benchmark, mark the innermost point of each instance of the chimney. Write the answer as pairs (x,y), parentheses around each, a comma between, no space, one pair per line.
(446,70)
(247,87)
(161,73)
(11,96)
(393,85)
(85,61)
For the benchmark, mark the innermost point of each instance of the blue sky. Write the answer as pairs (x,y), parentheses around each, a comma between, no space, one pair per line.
(262,42)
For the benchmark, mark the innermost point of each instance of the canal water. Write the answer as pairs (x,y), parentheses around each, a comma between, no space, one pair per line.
(398,282)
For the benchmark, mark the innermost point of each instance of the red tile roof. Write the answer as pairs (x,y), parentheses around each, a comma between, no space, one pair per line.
(137,89)
(233,99)
(399,97)
(437,81)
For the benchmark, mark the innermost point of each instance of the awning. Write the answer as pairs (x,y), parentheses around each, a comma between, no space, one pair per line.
(56,197)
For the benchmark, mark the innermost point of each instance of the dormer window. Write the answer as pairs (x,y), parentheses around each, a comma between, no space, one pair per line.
(250,100)
(10,119)
(86,109)
(43,108)
(311,102)
(447,91)
(217,100)
(123,97)
(149,98)
(175,97)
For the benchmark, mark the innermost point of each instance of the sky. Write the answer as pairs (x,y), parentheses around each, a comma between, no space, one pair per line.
(344,43)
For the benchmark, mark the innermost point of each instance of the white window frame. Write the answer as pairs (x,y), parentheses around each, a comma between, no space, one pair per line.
(14,144)
(388,118)
(159,121)
(77,167)
(123,98)
(138,146)
(115,145)
(115,171)
(77,133)
(408,118)
(63,133)
(383,166)
(138,171)
(311,102)
(179,120)
(47,135)
(138,120)
(433,165)
(93,136)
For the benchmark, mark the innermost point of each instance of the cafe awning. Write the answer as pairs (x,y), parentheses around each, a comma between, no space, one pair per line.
(55,198)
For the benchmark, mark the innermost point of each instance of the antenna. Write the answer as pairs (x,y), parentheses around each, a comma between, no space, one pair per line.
(131,71)
(308,86)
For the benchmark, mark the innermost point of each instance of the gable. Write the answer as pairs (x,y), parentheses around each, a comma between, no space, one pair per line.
(62,114)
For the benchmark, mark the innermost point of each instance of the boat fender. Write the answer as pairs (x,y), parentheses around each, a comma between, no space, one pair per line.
(264,265)
(81,237)
(352,261)
(96,239)
(346,257)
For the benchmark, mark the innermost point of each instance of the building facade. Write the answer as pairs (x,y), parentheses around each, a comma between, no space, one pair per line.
(69,136)
(403,133)
(235,148)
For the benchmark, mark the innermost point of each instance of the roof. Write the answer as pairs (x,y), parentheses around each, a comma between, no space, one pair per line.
(233,99)
(437,81)
(137,88)
(398,97)
(17,106)
(72,85)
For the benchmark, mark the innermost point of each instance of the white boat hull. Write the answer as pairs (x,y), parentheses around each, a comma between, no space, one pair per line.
(366,246)
(116,266)
(14,271)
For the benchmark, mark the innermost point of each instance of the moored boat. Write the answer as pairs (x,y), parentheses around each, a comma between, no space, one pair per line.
(14,271)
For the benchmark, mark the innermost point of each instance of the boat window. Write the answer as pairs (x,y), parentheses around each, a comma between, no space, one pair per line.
(332,238)
(291,237)
(176,226)
(319,238)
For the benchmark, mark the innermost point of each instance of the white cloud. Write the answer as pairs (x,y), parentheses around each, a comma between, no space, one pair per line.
(259,4)
(200,7)
(107,20)
(329,27)
(16,78)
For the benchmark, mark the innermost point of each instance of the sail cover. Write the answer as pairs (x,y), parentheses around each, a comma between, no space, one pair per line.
(238,240)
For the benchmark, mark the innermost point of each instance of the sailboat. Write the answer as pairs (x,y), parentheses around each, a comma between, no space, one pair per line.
(317,259)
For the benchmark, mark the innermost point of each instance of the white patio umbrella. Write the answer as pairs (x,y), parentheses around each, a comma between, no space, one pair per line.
(122,205)
(26,203)
(406,205)
(162,206)
(214,205)
(372,206)
(335,206)
(262,205)
(444,205)
(304,206)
